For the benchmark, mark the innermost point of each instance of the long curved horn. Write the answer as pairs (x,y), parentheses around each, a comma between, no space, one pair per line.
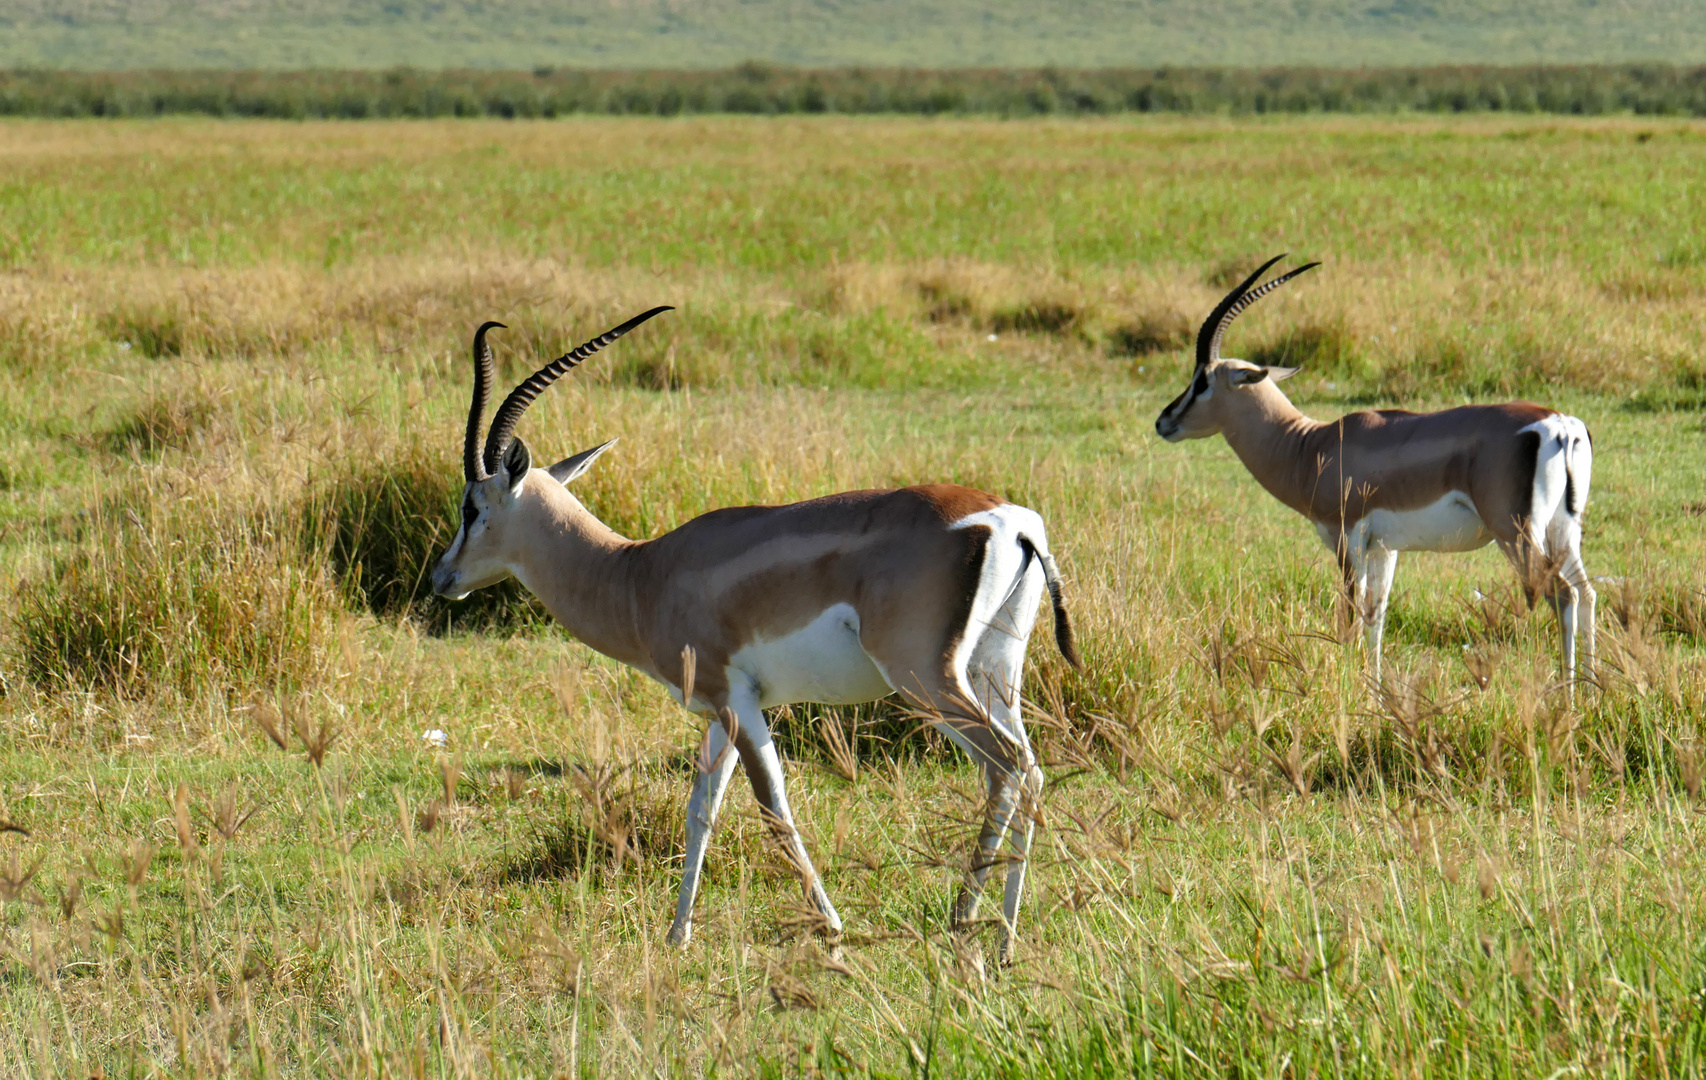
(1214,327)
(471,470)
(509,413)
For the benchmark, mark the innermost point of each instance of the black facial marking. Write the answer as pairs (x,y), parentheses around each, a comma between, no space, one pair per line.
(469,511)
(1200,386)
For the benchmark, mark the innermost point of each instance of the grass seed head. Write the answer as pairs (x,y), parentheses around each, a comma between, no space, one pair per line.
(449,776)
(138,859)
(1690,770)
(228,818)
(315,740)
(71,896)
(515,782)
(267,716)
(15,878)
(840,746)
(181,820)
(1486,876)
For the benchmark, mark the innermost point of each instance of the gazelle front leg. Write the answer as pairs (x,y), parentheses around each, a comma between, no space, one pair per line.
(1366,568)
(717,760)
(1379,564)
(764,770)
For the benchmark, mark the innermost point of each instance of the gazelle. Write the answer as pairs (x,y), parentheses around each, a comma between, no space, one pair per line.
(1377,483)
(930,592)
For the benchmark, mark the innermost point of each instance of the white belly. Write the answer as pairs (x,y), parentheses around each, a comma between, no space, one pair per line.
(821,661)
(1451,524)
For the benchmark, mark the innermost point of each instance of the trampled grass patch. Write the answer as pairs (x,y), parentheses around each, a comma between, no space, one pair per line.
(282,814)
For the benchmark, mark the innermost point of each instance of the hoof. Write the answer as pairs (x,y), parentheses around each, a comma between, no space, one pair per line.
(832,949)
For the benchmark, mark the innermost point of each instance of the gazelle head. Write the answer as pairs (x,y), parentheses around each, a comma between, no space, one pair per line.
(496,477)
(1204,408)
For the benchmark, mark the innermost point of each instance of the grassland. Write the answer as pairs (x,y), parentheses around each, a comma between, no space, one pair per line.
(233,361)
(517,34)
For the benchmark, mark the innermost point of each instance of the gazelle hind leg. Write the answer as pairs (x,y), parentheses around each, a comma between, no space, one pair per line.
(1002,801)
(1019,835)
(995,669)
(717,760)
(962,716)
(1576,601)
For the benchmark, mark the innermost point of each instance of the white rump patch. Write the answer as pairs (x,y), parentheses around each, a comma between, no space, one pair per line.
(1565,460)
(822,661)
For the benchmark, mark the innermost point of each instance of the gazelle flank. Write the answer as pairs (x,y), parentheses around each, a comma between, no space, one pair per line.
(1379,482)
(930,592)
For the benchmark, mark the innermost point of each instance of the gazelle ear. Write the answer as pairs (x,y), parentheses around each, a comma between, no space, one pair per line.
(1248,376)
(517,460)
(571,467)
(1280,374)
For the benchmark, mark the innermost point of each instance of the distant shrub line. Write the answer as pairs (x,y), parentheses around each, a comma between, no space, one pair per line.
(1646,89)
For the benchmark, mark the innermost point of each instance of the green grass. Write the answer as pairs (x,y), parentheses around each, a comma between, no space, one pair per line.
(233,360)
(904,33)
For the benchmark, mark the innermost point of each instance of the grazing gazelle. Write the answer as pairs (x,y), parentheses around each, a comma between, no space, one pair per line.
(1377,483)
(930,592)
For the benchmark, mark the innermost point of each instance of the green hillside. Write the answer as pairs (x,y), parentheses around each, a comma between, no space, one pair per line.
(118,34)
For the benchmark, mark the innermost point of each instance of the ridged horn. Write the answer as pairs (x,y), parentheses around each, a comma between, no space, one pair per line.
(509,413)
(471,470)
(1214,327)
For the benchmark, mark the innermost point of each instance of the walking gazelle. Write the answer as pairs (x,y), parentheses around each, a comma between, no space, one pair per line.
(930,592)
(1377,483)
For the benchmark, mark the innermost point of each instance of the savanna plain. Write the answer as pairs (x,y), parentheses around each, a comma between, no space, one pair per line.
(234,368)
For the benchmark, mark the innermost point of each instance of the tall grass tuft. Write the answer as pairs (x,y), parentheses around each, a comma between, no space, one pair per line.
(181,600)
(1152,332)
(165,421)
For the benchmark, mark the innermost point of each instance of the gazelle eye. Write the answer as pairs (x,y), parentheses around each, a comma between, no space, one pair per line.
(1201,385)
(469,512)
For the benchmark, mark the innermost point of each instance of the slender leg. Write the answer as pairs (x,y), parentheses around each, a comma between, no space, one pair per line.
(764,769)
(1379,563)
(1576,616)
(1004,794)
(974,697)
(717,761)
(1564,602)
(994,672)
(1020,837)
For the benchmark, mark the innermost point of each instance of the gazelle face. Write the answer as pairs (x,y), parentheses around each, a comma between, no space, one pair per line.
(1220,387)
(1201,410)
(482,554)
(479,556)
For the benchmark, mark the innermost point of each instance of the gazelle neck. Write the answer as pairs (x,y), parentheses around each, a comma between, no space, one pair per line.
(1270,437)
(579,568)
